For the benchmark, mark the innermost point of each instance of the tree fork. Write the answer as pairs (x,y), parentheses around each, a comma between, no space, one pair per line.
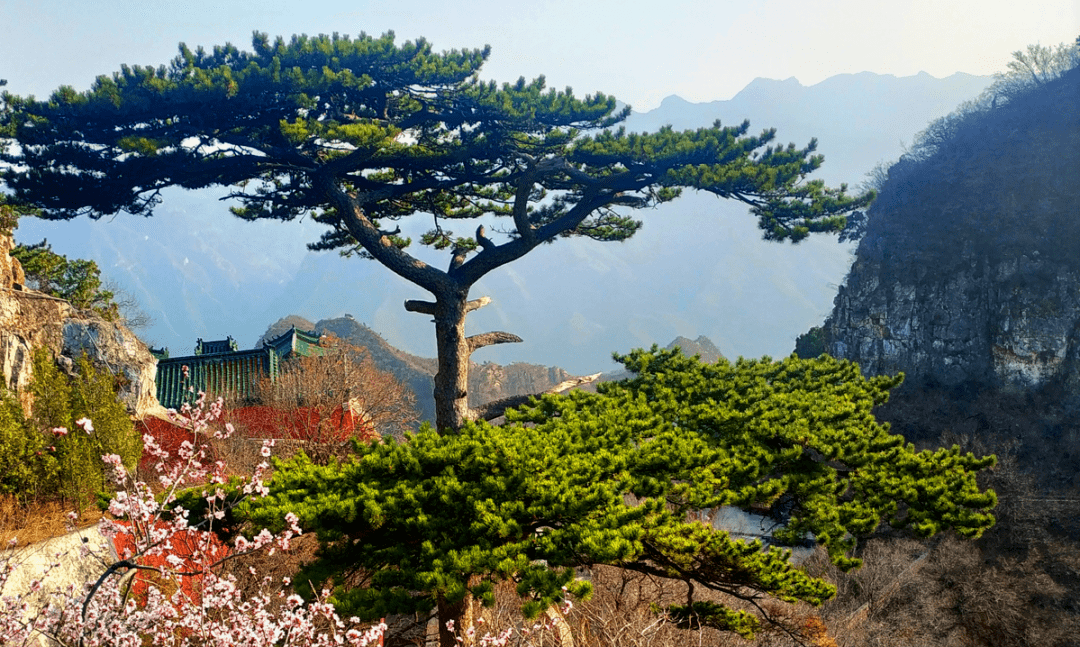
(454,349)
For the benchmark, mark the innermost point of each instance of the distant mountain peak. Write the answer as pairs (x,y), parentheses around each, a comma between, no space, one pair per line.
(674,101)
(702,347)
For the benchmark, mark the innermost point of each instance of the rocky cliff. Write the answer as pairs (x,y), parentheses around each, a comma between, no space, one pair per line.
(969,272)
(29,320)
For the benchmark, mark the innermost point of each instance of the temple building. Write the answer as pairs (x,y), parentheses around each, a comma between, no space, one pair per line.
(220,368)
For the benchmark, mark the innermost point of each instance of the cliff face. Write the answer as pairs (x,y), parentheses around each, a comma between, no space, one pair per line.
(970,268)
(29,320)
(1009,323)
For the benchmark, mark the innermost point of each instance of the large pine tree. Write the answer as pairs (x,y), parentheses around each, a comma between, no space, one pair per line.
(621,478)
(363,132)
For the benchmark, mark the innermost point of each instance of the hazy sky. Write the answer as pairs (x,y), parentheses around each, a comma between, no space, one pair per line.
(640,52)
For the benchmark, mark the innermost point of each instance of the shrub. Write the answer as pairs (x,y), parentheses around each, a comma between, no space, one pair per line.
(26,462)
(62,410)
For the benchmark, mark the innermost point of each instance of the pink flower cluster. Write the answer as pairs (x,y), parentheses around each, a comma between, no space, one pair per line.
(122,609)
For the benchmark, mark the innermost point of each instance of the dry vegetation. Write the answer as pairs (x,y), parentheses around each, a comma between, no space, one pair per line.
(1017,586)
(34,521)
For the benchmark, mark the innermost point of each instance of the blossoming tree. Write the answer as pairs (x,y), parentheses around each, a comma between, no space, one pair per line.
(155,536)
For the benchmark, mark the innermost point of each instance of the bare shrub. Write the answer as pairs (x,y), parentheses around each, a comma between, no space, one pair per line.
(321,402)
(945,593)
(626,611)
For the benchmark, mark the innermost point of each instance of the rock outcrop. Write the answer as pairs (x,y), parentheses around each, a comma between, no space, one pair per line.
(30,319)
(969,272)
(1009,323)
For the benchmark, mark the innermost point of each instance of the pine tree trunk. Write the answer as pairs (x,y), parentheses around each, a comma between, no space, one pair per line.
(452,380)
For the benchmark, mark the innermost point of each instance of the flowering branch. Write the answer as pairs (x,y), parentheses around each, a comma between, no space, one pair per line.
(207,608)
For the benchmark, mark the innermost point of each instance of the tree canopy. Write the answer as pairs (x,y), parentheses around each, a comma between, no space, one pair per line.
(623,477)
(77,281)
(361,132)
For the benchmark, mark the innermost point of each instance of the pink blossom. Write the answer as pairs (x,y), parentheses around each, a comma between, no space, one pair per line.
(60,431)
(86,425)
(219,614)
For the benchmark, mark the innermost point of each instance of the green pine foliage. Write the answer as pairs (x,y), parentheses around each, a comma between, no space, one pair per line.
(27,462)
(60,402)
(77,281)
(405,128)
(621,477)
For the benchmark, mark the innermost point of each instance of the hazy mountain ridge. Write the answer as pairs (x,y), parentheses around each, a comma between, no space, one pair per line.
(699,267)
(488,382)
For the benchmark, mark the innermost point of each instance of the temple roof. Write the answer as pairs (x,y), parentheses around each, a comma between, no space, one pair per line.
(227,345)
(300,342)
(221,368)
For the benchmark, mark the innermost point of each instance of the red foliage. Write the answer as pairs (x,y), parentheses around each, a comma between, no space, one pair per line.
(198,550)
(168,435)
(299,423)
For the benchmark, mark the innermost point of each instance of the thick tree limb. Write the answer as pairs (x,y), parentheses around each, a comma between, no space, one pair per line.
(493,410)
(423,307)
(372,239)
(429,308)
(481,238)
(521,209)
(566,385)
(476,267)
(490,339)
(476,304)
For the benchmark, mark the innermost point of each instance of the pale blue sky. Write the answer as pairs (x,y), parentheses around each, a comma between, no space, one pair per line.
(638,51)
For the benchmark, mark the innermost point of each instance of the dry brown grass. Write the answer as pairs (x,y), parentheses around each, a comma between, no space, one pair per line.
(624,611)
(38,520)
(952,592)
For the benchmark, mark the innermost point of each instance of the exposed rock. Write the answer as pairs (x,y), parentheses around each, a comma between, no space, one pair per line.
(30,319)
(489,382)
(703,347)
(968,273)
(55,564)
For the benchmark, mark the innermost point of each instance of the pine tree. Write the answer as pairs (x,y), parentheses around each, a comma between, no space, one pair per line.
(621,477)
(363,132)
(82,419)
(77,281)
